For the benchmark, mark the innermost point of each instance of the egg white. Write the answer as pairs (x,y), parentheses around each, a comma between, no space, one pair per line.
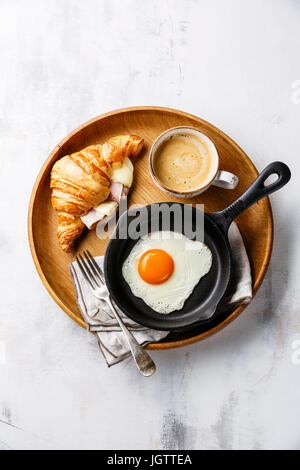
(192,260)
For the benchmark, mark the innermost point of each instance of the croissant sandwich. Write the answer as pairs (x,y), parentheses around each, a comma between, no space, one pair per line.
(87,185)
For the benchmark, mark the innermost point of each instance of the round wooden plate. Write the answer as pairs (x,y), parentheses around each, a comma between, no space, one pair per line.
(147,122)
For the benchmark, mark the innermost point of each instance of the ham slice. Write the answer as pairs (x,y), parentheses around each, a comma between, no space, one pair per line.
(91,218)
(116,190)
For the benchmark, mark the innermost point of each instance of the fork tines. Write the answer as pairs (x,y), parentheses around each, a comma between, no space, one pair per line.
(90,269)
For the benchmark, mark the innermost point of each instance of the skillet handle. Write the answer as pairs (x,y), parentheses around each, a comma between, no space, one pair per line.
(254,193)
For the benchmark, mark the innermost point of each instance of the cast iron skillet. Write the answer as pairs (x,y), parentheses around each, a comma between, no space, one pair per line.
(200,307)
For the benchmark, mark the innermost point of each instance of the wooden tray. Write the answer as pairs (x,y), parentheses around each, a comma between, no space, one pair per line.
(147,122)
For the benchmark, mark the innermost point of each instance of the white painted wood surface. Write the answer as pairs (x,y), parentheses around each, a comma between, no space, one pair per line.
(233,63)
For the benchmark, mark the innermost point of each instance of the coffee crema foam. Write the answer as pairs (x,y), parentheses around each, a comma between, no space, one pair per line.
(184,163)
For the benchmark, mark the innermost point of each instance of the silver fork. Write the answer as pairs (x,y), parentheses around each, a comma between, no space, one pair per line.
(94,276)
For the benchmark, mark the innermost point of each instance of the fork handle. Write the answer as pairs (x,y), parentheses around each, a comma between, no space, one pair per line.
(142,359)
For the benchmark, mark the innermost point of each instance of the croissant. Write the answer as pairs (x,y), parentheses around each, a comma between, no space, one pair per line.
(81,181)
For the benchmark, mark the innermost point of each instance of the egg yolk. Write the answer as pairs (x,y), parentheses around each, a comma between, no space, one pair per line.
(155,266)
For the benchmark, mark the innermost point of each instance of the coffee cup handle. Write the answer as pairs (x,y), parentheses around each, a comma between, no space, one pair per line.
(226,180)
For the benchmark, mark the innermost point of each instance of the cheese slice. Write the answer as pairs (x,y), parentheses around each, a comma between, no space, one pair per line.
(123,174)
(107,207)
(105,210)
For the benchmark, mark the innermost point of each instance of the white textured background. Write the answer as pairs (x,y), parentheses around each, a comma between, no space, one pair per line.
(234,64)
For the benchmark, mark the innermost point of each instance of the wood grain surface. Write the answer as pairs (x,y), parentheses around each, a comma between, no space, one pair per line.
(256,224)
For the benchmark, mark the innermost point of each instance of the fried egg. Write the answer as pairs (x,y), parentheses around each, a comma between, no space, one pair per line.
(164,267)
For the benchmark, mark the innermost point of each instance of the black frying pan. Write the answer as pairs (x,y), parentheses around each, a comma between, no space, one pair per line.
(200,307)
